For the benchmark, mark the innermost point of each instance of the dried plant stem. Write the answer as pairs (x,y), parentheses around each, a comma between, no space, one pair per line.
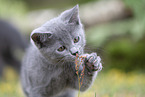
(79,86)
(77,69)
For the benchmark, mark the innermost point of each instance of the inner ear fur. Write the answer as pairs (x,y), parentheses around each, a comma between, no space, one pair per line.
(40,38)
(72,15)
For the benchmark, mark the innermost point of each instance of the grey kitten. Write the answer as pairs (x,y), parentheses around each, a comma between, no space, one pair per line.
(10,40)
(48,68)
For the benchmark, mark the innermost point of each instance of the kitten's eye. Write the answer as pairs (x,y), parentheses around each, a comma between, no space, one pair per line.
(62,48)
(76,39)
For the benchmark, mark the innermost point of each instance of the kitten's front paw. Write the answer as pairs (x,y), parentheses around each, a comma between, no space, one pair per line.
(93,63)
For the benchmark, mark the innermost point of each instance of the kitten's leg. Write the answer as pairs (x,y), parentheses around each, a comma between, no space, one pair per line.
(68,93)
(92,66)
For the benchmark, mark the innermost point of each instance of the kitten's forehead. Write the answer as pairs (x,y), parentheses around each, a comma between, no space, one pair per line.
(63,33)
(61,30)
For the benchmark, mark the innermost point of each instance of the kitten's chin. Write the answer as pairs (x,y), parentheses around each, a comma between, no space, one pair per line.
(71,59)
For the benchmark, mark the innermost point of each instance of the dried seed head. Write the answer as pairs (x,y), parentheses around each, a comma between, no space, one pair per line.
(78,62)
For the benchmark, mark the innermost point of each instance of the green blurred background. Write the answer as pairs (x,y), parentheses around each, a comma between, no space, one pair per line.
(115,29)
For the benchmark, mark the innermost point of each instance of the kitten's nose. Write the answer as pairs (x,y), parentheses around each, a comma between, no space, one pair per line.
(73,51)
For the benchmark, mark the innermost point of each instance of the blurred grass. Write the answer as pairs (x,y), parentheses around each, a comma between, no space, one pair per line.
(12,9)
(10,84)
(113,83)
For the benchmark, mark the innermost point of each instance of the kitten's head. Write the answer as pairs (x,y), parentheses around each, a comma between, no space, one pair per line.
(60,38)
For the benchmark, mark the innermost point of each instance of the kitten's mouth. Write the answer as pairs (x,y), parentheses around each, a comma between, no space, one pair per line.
(73,58)
(82,57)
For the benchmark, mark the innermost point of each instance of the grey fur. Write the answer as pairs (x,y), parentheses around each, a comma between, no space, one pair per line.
(47,72)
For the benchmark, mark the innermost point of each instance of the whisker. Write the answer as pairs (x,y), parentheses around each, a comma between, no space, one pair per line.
(60,60)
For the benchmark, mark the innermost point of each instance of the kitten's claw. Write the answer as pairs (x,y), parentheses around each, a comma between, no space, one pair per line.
(93,63)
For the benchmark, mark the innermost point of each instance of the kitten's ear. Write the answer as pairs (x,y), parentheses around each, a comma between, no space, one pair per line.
(40,38)
(72,15)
